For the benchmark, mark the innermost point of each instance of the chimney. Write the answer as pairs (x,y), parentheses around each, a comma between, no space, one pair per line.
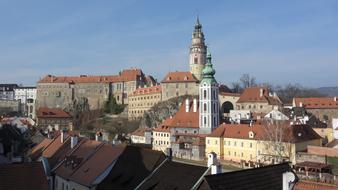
(195,105)
(187,105)
(335,98)
(73,141)
(169,153)
(288,180)
(98,136)
(261,92)
(300,104)
(63,136)
(213,163)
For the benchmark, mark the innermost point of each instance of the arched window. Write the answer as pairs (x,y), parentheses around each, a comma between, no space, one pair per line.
(205,120)
(205,94)
(205,107)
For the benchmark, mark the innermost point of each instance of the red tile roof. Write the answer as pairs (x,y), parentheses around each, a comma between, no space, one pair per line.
(106,155)
(39,148)
(52,113)
(311,185)
(252,94)
(125,75)
(140,131)
(293,133)
(147,90)
(25,176)
(173,77)
(314,103)
(184,119)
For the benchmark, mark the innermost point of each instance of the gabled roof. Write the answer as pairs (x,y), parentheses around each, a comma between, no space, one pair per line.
(316,103)
(37,150)
(124,76)
(263,178)
(132,167)
(52,113)
(253,94)
(176,77)
(24,176)
(174,175)
(292,133)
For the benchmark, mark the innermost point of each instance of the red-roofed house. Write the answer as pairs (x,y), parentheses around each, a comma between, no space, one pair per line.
(245,143)
(181,133)
(258,99)
(177,84)
(141,136)
(324,108)
(54,118)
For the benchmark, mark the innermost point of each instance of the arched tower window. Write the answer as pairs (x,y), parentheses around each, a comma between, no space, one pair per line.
(205,94)
(205,107)
(195,60)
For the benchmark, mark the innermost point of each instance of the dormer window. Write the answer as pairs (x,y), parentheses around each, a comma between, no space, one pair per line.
(251,134)
(169,78)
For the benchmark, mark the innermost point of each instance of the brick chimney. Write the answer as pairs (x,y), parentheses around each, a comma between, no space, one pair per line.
(98,136)
(261,92)
(335,98)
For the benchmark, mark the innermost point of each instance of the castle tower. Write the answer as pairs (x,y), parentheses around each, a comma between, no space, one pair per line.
(209,103)
(198,51)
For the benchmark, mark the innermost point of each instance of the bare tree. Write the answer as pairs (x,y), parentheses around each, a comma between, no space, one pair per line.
(247,81)
(277,138)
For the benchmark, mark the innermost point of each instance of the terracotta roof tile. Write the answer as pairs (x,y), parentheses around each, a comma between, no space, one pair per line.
(24,176)
(185,119)
(52,113)
(37,150)
(125,75)
(293,133)
(313,103)
(147,90)
(179,77)
(311,185)
(140,131)
(252,94)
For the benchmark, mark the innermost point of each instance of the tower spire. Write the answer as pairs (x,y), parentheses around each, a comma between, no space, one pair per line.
(198,51)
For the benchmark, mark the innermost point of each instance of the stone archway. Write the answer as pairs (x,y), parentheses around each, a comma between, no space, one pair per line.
(226,107)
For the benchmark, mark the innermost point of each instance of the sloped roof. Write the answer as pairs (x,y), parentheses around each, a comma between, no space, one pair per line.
(292,133)
(312,185)
(252,94)
(52,113)
(132,167)
(316,103)
(147,90)
(98,163)
(24,176)
(263,178)
(140,131)
(174,175)
(175,77)
(37,150)
(125,76)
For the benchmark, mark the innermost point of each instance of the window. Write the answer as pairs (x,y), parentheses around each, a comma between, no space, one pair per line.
(215,142)
(242,144)
(208,141)
(235,154)
(242,154)
(205,120)
(250,145)
(195,60)
(205,94)
(235,143)
(205,107)
(229,153)
(176,85)
(228,143)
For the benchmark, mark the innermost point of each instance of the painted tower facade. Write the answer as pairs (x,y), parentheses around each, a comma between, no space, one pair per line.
(198,51)
(209,103)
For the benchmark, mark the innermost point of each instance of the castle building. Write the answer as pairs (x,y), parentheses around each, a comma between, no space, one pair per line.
(65,91)
(198,51)
(209,103)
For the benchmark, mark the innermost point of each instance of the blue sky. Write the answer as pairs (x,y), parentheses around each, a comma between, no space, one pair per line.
(279,42)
